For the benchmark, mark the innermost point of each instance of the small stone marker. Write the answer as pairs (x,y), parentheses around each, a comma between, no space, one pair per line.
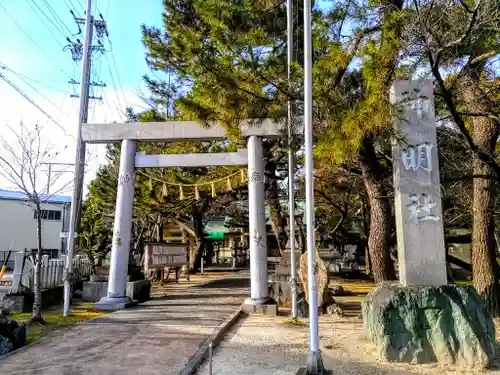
(321,280)
(419,223)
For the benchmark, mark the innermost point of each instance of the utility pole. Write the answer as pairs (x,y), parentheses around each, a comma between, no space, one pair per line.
(291,163)
(80,155)
(49,172)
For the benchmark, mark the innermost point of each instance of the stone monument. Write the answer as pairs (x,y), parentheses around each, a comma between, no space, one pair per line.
(422,319)
(417,194)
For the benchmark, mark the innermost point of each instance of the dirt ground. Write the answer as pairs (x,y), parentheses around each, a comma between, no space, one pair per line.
(271,346)
(344,339)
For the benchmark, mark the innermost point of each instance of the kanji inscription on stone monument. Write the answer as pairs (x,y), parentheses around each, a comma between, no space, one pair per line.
(420,208)
(419,156)
(419,224)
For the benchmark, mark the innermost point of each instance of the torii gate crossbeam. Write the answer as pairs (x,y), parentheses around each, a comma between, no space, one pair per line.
(128,134)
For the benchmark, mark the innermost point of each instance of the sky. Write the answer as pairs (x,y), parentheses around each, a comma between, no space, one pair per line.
(35,57)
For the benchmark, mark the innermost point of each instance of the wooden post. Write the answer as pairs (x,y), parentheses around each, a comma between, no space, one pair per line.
(19,261)
(51,273)
(44,272)
(78,262)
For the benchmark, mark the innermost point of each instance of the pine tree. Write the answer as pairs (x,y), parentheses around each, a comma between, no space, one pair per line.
(231,55)
(356,113)
(237,49)
(463,38)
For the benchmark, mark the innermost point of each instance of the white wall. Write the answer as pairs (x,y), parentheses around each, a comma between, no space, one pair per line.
(17,224)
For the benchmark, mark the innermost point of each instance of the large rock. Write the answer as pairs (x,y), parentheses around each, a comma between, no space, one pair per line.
(12,335)
(425,324)
(6,345)
(322,280)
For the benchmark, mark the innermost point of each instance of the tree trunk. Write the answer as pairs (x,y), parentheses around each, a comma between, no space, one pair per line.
(37,285)
(366,230)
(158,237)
(199,238)
(273,204)
(302,235)
(380,213)
(485,133)
(483,250)
(276,220)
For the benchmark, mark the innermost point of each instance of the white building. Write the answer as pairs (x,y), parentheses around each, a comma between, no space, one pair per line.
(18,222)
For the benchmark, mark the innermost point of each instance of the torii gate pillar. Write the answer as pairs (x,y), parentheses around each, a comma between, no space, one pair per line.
(259,291)
(122,232)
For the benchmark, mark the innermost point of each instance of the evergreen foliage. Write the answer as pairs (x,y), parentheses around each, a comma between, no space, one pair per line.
(225,60)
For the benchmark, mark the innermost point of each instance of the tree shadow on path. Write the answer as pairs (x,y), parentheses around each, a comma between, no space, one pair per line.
(226,283)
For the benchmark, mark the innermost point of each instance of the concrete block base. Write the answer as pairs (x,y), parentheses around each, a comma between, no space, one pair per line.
(95,291)
(115,303)
(267,307)
(23,303)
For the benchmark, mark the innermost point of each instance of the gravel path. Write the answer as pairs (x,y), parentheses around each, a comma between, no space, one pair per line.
(266,346)
(157,337)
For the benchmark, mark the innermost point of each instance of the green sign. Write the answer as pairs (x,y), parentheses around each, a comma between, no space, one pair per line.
(216,235)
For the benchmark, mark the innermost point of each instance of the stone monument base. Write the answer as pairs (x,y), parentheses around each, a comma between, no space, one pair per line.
(267,307)
(115,303)
(425,324)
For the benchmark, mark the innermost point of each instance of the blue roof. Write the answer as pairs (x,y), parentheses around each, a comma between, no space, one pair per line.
(20,196)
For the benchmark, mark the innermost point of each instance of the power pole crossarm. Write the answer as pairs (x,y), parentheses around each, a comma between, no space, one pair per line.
(49,172)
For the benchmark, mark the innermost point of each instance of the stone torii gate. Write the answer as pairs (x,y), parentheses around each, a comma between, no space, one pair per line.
(128,134)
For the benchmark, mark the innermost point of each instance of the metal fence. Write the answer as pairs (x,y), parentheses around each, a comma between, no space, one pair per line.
(52,271)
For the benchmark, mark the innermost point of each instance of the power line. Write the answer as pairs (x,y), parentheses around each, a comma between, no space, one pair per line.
(2,65)
(70,6)
(79,3)
(29,100)
(118,76)
(96,73)
(105,32)
(34,42)
(63,102)
(48,27)
(56,16)
(113,81)
(42,95)
(58,28)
